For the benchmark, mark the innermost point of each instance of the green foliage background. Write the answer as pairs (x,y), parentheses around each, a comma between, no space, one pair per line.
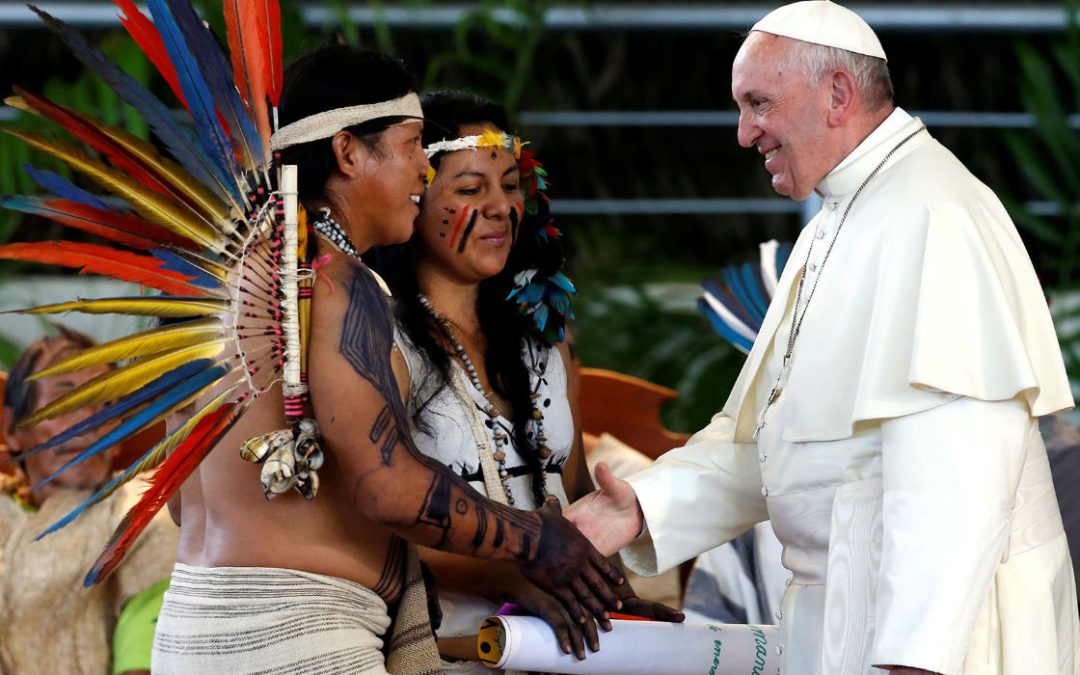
(638,275)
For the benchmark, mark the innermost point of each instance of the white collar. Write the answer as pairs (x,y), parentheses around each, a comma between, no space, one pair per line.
(892,124)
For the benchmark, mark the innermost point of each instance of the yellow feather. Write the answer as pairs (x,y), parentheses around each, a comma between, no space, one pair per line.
(153,341)
(149,204)
(177,176)
(171,308)
(172,174)
(123,381)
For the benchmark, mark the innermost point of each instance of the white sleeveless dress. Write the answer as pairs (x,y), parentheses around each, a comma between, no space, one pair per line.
(447,435)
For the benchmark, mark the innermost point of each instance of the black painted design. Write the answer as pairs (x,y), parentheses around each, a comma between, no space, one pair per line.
(481,527)
(467,232)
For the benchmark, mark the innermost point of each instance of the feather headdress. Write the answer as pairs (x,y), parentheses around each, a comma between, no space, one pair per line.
(735,302)
(216,230)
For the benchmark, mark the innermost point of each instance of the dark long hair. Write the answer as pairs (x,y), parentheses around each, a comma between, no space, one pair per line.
(331,77)
(504,329)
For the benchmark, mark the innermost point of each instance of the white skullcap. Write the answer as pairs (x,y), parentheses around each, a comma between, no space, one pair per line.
(821,22)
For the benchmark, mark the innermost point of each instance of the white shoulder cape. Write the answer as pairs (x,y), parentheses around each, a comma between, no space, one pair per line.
(928,295)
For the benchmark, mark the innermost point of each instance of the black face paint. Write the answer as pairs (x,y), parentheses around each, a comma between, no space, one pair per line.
(513,225)
(467,232)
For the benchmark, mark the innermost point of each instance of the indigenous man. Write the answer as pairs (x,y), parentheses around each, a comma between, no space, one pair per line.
(48,623)
(886,416)
(304,586)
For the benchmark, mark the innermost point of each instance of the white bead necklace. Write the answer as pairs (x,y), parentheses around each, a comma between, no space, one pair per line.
(498,434)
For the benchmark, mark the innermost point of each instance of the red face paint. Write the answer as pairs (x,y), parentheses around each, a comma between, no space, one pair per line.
(457,226)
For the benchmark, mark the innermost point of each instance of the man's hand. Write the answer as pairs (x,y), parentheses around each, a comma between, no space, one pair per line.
(611,517)
(572,636)
(569,568)
(648,609)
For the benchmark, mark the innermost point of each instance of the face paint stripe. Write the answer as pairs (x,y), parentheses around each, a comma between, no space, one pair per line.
(514,222)
(468,231)
(457,226)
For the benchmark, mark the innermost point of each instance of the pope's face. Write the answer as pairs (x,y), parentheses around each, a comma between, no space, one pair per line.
(782,115)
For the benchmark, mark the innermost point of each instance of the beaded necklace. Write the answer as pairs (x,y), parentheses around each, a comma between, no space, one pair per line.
(499,435)
(334,233)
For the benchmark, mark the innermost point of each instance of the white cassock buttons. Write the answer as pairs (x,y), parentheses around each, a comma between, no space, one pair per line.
(762,457)
(812,267)
(820,233)
(764,491)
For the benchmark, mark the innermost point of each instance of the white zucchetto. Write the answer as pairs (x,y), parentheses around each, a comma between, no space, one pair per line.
(825,23)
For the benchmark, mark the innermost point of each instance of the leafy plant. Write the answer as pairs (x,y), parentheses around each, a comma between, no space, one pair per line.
(1050,161)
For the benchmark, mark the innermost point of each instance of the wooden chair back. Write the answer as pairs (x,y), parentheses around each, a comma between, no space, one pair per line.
(628,408)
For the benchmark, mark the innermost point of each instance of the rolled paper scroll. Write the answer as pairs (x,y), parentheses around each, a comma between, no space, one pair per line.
(633,648)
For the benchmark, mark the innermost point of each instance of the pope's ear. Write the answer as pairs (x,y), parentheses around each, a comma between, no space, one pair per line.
(843,96)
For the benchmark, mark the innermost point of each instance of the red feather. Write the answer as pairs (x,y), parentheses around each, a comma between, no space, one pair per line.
(119,227)
(165,482)
(246,34)
(104,260)
(271,11)
(146,35)
(77,126)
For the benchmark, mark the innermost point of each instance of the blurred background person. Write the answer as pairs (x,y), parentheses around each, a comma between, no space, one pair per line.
(48,622)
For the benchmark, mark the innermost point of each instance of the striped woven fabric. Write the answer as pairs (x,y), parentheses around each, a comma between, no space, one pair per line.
(290,622)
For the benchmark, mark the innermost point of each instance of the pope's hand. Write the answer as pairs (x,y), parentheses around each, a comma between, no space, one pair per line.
(610,517)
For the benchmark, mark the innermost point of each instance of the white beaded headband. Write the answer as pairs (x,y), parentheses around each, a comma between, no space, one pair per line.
(326,124)
(488,139)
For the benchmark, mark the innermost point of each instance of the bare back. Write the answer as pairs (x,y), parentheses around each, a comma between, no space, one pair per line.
(226,520)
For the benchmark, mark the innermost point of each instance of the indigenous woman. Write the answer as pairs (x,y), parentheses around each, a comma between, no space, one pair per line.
(481,305)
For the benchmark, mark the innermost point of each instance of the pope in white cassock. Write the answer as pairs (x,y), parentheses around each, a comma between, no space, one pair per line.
(885,419)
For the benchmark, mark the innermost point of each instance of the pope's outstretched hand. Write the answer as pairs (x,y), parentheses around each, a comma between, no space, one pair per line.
(610,517)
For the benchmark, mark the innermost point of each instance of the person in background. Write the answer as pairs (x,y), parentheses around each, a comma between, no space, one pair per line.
(48,622)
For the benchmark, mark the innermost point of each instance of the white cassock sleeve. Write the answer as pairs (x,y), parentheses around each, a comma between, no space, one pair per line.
(695,498)
(950,476)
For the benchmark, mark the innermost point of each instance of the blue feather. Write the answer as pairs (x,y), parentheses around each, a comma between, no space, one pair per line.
(540,316)
(125,404)
(175,263)
(62,187)
(560,302)
(735,286)
(751,278)
(561,280)
(722,294)
(121,477)
(193,84)
(217,73)
(721,327)
(783,252)
(176,139)
(140,419)
(534,293)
